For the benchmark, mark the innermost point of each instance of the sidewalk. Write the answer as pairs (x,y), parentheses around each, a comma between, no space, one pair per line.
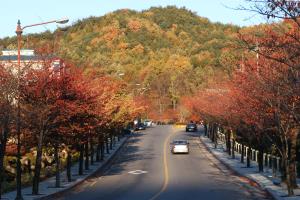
(47,186)
(265,180)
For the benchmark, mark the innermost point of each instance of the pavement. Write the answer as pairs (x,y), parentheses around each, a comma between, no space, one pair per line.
(47,189)
(145,169)
(264,180)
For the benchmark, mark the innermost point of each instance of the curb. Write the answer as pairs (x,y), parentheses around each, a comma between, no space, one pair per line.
(102,167)
(270,193)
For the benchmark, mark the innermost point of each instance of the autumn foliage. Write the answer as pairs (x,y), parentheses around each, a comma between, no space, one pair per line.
(63,108)
(261,97)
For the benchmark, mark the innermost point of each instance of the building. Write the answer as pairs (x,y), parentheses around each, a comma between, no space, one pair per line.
(29,60)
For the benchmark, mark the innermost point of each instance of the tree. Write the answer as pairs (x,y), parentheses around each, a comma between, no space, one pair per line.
(277,75)
(8,91)
(51,100)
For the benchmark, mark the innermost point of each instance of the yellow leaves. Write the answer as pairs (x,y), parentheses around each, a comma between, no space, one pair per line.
(134,25)
(228,59)
(89,48)
(178,62)
(184,35)
(148,14)
(151,27)
(174,27)
(122,45)
(73,35)
(171,36)
(139,49)
(204,56)
(95,41)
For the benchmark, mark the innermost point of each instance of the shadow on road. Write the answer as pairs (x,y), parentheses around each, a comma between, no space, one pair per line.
(188,135)
(130,152)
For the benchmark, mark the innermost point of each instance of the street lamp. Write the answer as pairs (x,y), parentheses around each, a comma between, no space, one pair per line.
(19,32)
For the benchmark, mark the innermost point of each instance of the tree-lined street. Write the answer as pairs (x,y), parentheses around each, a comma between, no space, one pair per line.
(148,72)
(197,175)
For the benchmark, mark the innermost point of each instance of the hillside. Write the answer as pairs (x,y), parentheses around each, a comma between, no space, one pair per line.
(170,50)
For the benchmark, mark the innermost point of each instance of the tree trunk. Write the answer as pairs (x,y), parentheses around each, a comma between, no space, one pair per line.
(288,179)
(38,165)
(114,139)
(86,152)
(293,157)
(242,153)
(216,135)
(102,150)
(283,170)
(28,167)
(111,141)
(4,136)
(98,152)
(57,166)
(92,151)
(205,129)
(292,168)
(232,149)
(213,128)
(248,157)
(99,147)
(260,158)
(228,143)
(107,145)
(81,152)
(209,131)
(69,165)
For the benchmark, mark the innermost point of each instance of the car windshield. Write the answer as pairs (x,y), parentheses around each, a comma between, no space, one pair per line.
(191,124)
(180,142)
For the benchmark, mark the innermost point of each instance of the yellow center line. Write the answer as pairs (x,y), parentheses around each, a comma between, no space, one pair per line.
(92,184)
(166,169)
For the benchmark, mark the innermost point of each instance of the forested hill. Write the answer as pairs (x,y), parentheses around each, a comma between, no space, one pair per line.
(137,39)
(167,46)
(130,40)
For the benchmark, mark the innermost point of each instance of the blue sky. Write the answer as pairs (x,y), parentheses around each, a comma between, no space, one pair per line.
(35,11)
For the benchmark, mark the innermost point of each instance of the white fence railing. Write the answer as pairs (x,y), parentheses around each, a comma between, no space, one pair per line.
(271,161)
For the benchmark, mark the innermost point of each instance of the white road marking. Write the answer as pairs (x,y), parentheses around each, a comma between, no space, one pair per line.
(137,172)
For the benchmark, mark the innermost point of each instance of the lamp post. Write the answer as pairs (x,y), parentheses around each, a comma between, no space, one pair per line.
(19,32)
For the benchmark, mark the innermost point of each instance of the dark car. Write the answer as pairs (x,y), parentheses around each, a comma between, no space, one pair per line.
(191,127)
(140,127)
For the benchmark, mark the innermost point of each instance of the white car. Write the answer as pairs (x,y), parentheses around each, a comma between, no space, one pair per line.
(148,123)
(180,146)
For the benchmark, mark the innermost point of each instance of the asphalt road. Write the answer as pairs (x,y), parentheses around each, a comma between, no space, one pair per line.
(146,170)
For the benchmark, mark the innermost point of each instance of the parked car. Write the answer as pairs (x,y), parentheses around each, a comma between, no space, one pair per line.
(191,127)
(180,146)
(140,127)
(148,123)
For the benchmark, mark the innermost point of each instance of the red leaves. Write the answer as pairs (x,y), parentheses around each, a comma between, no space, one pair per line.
(267,86)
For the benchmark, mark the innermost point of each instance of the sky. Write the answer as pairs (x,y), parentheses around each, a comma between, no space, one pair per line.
(36,11)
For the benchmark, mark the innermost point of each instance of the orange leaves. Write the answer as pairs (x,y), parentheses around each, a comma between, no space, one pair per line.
(113,106)
(138,49)
(111,34)
(134,25)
